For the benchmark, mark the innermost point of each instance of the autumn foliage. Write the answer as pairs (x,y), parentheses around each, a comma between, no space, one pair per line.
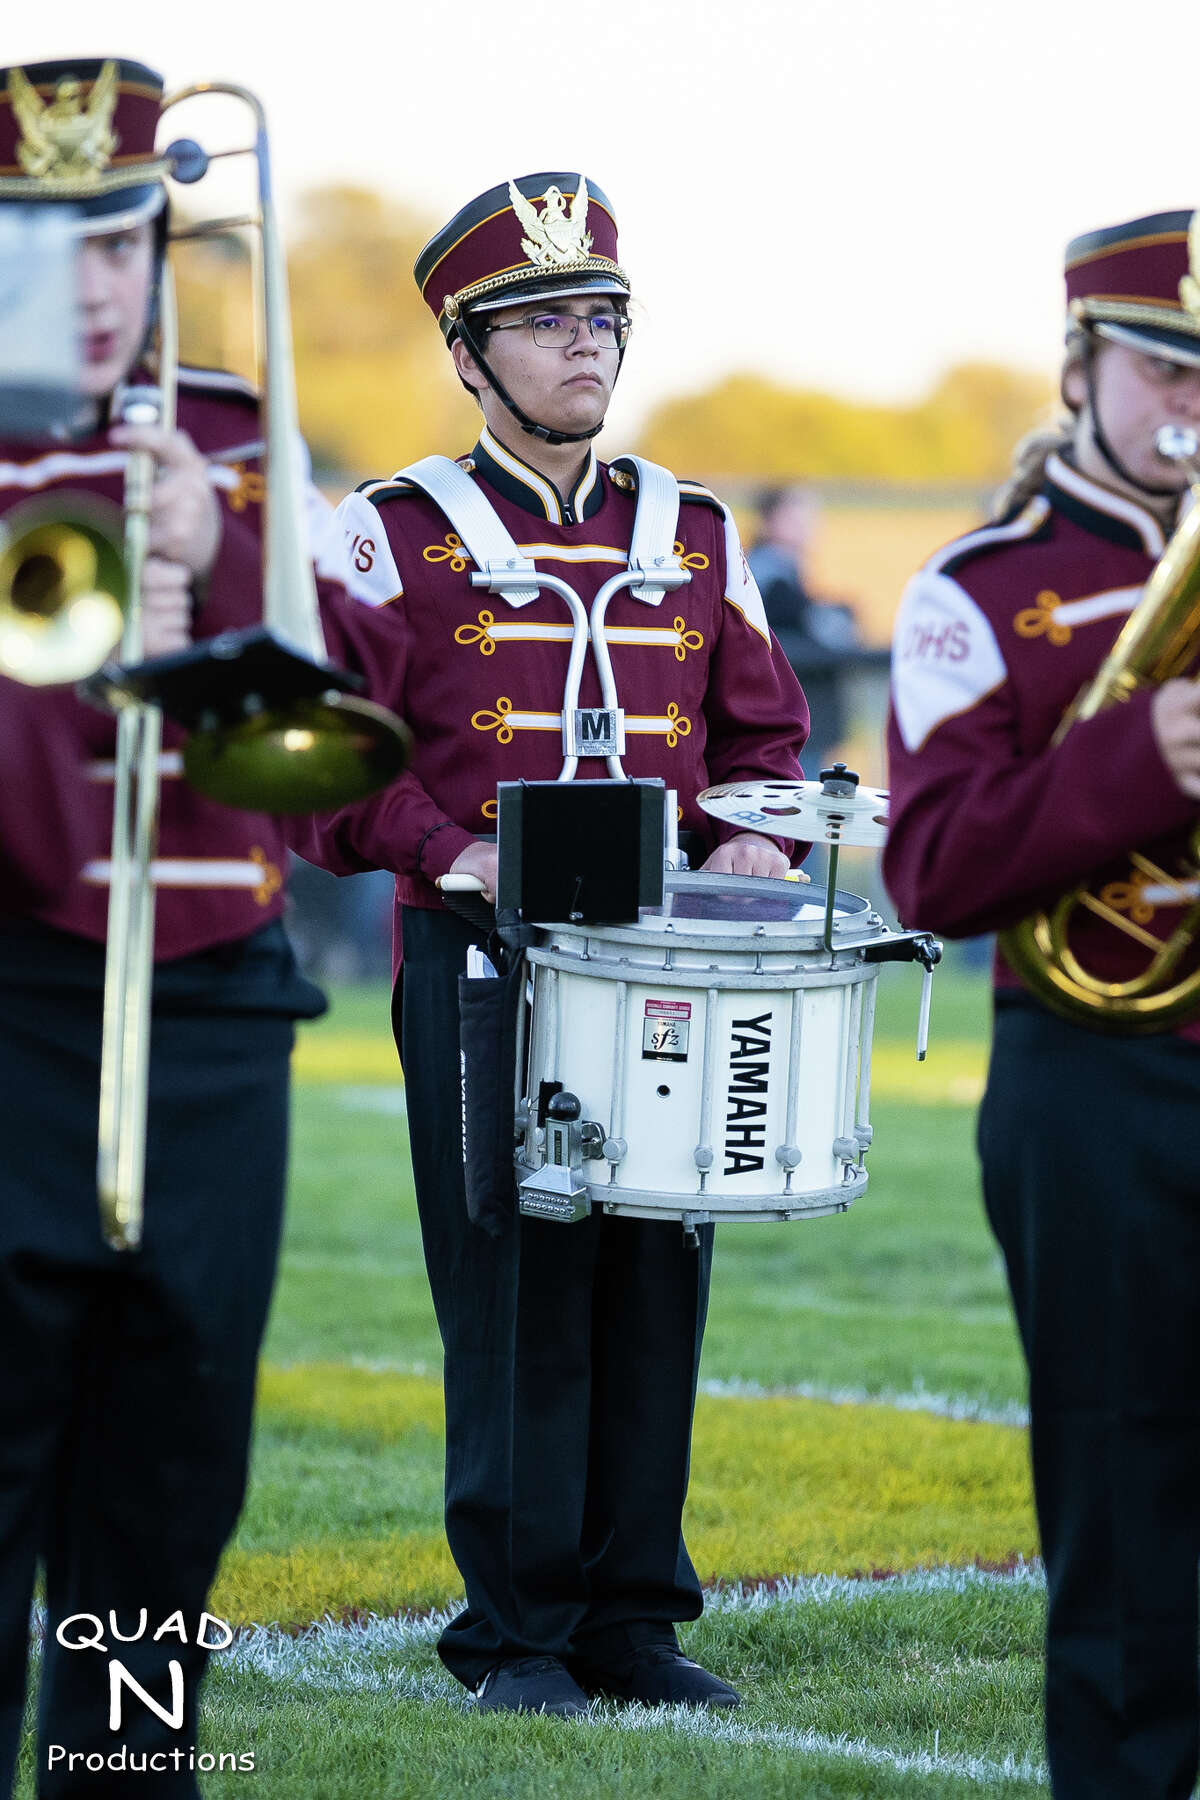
(749,427)
(377,389)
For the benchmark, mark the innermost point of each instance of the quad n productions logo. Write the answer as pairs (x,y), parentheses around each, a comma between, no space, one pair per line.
(87,1631)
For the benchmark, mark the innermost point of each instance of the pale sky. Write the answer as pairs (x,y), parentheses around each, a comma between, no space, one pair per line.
(846,194)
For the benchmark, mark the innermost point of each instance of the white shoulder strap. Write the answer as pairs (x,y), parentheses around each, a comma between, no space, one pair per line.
(499,562)
(652,558)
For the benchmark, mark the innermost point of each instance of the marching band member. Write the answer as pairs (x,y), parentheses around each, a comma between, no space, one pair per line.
(1087,1141)
(570,1354)
(125,1416)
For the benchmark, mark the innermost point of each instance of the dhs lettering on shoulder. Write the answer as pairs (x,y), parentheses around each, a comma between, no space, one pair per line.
(746,1098)
(949,642)
(362,552)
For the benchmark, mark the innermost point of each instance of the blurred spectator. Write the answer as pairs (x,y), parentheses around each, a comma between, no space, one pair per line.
(818,636)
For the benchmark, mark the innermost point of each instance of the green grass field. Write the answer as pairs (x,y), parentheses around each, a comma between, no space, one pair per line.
(859,1503)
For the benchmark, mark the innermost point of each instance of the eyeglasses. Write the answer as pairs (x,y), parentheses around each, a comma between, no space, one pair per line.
(558,331)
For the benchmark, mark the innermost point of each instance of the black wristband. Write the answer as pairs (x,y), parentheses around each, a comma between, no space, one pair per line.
(421,846)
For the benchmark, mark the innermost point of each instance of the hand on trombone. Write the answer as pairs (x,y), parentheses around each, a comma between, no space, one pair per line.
(185,520)
(167,600)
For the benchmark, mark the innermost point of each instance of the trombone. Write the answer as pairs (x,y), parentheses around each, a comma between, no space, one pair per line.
(129,950)
(62,589)
(273,726)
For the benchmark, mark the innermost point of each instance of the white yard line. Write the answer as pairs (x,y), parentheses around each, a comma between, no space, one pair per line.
(980,1770)
(918,1399)
(339,1658)
(819,1590)
(377,1097)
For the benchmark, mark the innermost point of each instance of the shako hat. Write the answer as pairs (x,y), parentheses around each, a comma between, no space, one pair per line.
(1133,283)
(540,237)
(82,132)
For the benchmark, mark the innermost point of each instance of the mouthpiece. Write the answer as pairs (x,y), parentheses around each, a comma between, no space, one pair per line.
(1177,442)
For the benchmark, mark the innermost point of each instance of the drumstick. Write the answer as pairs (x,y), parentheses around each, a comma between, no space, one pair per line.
(461,884)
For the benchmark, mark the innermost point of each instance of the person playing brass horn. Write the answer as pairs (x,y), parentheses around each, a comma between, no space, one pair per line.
(125,1417)
(571,1353)
(1000,811)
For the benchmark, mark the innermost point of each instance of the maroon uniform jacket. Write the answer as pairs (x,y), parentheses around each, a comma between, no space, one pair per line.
(219,874)
(707,693)
(994,639)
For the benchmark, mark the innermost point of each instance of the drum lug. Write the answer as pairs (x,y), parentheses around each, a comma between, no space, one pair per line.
(592,1140)
(846,1149)
(788,1156)
(614,1150)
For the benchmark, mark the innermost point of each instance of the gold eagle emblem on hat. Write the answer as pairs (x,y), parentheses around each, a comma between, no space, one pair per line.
(65,139)
(559,239)
(1189,287)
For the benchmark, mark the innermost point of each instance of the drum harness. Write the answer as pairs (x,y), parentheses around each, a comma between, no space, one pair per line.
(653,571)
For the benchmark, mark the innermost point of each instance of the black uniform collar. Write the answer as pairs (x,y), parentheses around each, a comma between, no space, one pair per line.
(535,493)
(1101,511)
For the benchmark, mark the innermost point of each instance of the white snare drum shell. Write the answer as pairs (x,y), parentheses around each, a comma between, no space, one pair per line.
(719,1056)
(659,1107)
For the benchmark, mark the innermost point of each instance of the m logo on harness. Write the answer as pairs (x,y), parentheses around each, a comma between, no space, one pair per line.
(594,731)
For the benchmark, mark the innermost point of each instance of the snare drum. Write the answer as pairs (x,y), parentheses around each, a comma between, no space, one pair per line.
(721,1054)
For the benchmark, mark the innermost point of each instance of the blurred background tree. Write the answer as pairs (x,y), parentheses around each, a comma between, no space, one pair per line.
(746,427)
(375,390)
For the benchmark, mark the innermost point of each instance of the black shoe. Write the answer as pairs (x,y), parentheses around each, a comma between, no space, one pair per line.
(658,1675)
(531,1684)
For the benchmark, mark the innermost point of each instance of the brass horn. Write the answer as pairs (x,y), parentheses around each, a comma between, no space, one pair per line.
(272,725)
(1158,642)
(62,589)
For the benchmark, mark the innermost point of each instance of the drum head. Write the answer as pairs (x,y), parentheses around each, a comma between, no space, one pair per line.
(749,900)
(711,911)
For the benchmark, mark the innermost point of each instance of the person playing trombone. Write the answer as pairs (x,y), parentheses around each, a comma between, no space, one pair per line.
(126,1410)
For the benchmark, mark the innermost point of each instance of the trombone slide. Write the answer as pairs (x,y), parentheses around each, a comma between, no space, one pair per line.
(129,959)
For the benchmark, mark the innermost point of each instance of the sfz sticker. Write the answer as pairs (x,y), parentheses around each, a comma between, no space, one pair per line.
(665,1030)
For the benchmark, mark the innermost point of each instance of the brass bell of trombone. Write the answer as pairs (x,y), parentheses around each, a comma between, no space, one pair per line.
(273,725)
(313,756)
(62,589)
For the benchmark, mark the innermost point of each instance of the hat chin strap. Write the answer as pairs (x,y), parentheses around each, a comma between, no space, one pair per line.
(542,432)
(1101,438)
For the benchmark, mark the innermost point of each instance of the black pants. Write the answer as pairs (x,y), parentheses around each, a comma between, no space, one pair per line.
(571,1354)
(128,1377)
(1091,1162)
